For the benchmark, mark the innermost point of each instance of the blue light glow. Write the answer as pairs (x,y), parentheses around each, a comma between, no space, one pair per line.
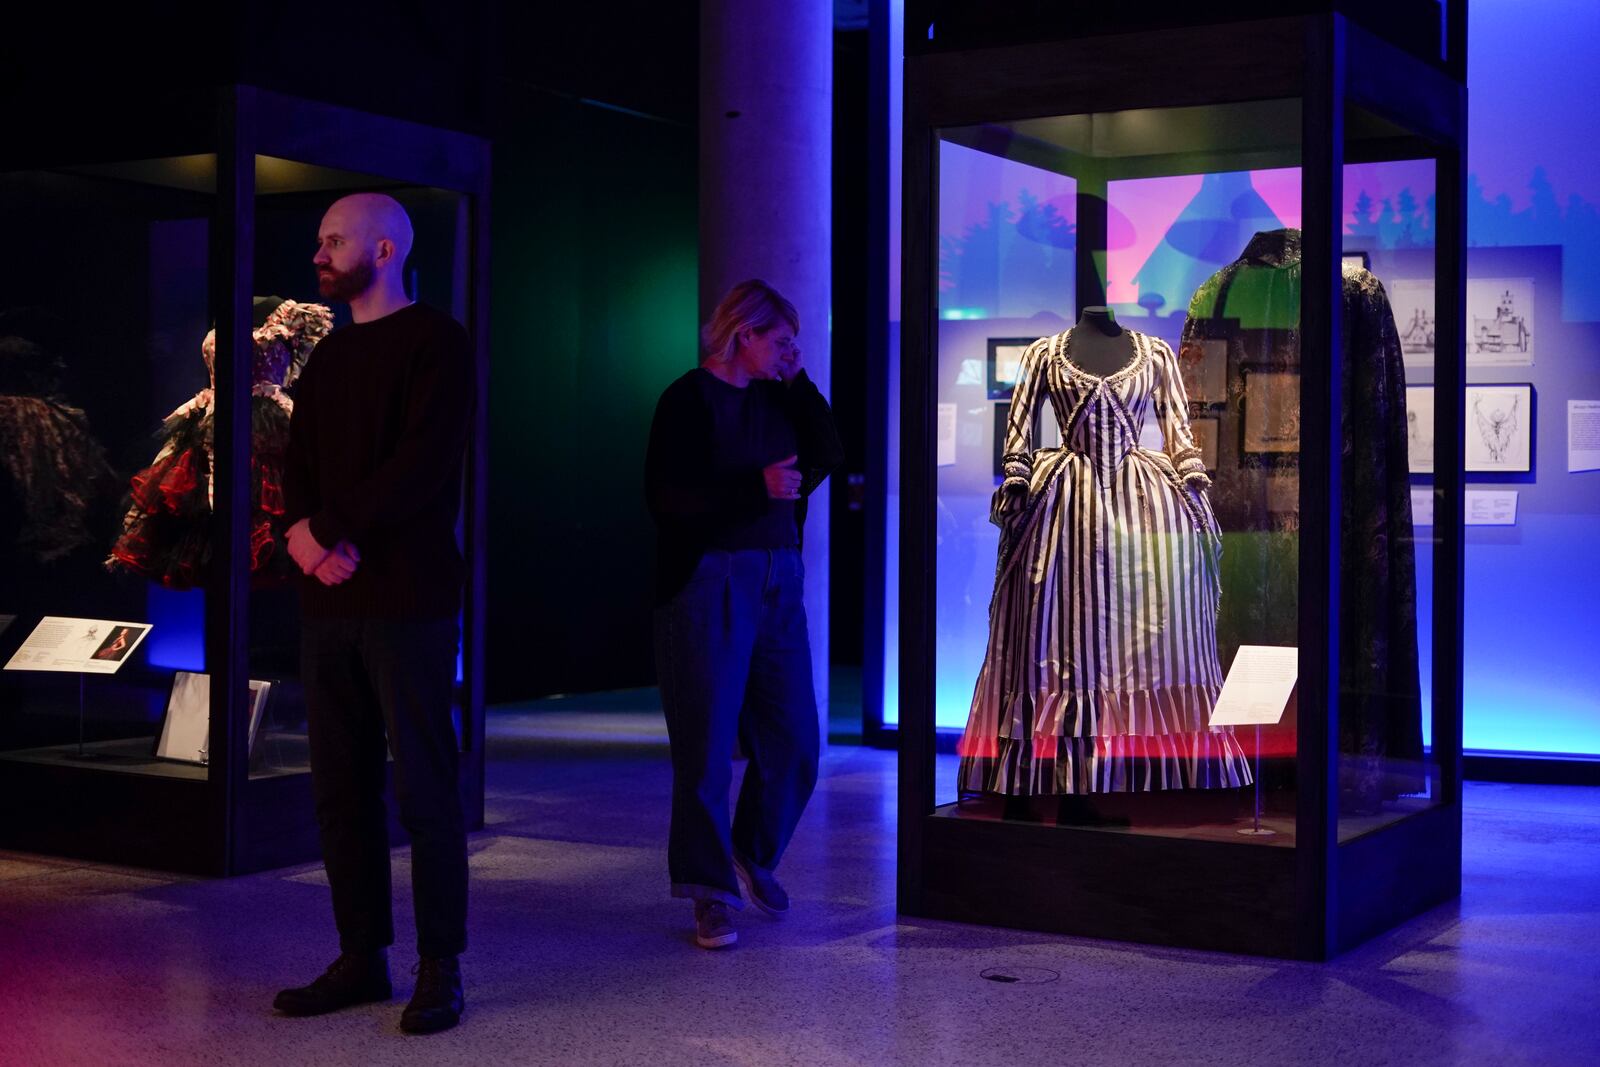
(177,636)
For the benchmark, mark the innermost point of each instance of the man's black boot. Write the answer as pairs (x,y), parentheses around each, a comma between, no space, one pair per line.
(354,978)
(438,1001)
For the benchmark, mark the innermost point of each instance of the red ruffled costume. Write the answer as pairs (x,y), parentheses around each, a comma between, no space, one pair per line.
(166,532)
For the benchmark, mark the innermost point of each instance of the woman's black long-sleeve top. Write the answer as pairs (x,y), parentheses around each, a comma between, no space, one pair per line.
(709,443)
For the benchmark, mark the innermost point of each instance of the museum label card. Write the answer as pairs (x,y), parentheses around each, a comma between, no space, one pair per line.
(1258,686)
(947,435)
(1422,507)
(186,732)
(1491,507)
(78,646)
(1583,435)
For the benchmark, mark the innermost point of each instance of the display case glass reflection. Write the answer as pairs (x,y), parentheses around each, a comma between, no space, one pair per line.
(1095,588)
(107,407)
(100,358)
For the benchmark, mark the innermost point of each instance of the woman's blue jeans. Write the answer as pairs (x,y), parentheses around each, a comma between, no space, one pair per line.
(734,661)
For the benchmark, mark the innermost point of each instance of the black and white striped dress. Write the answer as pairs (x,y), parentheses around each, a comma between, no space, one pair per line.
(1101,669)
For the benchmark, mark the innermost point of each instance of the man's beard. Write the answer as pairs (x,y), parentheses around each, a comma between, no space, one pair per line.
(345,286)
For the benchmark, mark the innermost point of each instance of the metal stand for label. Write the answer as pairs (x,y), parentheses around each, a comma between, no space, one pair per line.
(81,754)
(1256,693)
(1257,830)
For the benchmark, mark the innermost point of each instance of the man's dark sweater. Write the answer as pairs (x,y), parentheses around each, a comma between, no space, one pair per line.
(381,418)
(703,471)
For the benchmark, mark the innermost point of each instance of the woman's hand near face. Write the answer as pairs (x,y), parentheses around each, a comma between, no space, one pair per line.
(791,366)
(783,481)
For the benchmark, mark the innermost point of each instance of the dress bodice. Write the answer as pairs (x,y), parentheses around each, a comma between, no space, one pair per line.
(1100,415)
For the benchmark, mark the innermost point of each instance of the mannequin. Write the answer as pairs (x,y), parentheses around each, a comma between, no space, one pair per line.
(166,533)
(1101,669)
(1098,344)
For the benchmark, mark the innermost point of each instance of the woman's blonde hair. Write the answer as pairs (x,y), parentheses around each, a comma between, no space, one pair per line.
(750,305)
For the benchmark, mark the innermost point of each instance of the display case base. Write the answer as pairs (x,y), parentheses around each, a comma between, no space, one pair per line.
(1214,891)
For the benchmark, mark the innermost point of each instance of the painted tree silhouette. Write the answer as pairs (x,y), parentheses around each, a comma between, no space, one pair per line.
(1015,261)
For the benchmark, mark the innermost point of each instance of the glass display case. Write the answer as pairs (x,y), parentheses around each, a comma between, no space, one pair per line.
(160,302)
(1174,480)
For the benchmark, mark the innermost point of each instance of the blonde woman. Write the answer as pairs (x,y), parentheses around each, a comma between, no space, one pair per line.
(736,447)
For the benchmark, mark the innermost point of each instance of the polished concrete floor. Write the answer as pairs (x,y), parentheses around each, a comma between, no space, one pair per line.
(580,957)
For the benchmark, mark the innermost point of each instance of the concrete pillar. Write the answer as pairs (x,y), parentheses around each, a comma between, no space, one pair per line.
(766,202)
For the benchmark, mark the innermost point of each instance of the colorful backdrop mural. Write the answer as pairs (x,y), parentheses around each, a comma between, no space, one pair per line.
(1005,236)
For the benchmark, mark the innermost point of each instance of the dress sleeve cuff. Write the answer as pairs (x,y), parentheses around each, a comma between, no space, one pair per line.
(1190,464)
(997,510)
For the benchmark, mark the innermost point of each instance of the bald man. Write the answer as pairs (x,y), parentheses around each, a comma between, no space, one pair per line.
(372,485)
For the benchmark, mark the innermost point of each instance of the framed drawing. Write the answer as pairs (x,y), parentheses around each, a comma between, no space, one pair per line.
(1205,438)
(1499,322)
(1002,417)
(1500,428)
(1205,372)
(1283,492)
(1412,303)
(1271,410)
(1419,428)
(1005,359)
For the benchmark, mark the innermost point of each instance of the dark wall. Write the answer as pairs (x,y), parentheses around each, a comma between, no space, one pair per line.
(594,308)
(595,276)
(641,55)
(414,59)
(853,261)
(591,109)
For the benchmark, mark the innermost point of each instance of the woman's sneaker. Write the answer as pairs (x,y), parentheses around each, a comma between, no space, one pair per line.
(712,926)
(762,889)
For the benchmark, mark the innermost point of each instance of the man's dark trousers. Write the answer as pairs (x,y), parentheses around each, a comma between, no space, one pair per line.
(365,678)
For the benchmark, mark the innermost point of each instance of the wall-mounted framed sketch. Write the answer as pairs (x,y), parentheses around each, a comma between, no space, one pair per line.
(1283,491)
(1419,428)
(1356,259)
(1500,427)
(1271,410)
(1205,438)
(1205,372)
(1500,322)
(1411,300)
(1005,359)
(1002,419)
